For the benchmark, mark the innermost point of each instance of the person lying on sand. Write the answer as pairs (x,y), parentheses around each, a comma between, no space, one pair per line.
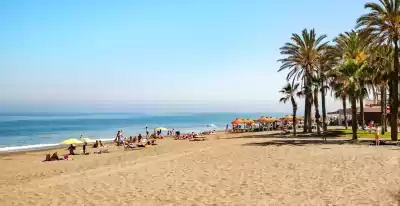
(129,145)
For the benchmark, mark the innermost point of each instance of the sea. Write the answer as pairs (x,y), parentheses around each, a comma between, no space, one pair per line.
(32,131)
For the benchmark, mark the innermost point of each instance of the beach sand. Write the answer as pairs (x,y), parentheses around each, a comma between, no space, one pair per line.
(238,169)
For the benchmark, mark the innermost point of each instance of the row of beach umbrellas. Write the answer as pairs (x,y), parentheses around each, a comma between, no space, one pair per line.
(264,119)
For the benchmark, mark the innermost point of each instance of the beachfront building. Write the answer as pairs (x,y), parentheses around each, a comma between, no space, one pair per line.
(372,112)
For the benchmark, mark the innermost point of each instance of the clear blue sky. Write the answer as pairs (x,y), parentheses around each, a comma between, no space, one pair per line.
(200,55)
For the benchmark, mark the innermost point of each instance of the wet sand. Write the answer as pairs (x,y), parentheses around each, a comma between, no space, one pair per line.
(237,169)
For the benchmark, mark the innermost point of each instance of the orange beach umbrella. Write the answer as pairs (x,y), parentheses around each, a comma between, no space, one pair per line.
(237,121)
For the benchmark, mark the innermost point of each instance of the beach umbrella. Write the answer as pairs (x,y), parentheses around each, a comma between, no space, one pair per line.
(263,119)
(287,118)
(237,121)
(71,141)
(268,120)
(162,128)
(249,121)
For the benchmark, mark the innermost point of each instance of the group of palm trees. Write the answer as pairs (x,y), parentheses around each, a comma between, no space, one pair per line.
(355,64)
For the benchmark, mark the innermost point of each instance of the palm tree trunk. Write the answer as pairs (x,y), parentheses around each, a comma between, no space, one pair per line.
(310,102)
(362,108)
(384,128)
(306,108)
(305,114)
(354,117)
(395,95)
(362,113)
(316,106)
(383,108)
(344,99)
(294,115)
(323,107)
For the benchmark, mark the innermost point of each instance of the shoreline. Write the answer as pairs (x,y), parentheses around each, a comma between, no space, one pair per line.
(4,151)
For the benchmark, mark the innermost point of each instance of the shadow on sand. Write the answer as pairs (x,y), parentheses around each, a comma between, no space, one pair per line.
(314,141)
(331,134)
(300,142)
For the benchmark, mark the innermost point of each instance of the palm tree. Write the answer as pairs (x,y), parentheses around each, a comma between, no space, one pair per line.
(301,58)
(288,92)
(346,80)
(353,45)
(338,92)
(383,25)
(326,63)
(381,61)
(316,83)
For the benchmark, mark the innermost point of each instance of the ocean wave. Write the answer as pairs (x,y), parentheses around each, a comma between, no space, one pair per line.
(28,147)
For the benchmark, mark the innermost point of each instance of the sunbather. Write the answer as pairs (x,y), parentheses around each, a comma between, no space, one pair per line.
(53,157)
(95,145)
(129,145)
(101,143)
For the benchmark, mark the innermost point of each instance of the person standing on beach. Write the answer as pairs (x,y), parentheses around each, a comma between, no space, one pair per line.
(119,139)
(84,146)
(377,136)
(147,132)
(227,126)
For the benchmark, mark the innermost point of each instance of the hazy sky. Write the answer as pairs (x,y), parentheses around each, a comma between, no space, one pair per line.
(201,55)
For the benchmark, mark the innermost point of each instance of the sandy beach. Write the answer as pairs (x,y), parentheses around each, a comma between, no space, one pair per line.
(235,169)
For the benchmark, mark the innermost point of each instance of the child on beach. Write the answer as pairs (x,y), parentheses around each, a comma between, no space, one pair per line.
(377,136)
